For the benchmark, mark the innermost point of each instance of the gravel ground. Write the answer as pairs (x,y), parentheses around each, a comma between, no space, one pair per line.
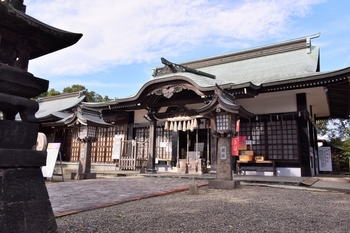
(247,209)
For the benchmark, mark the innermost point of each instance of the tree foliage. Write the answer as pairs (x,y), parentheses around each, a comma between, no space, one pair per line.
(334,129)
(50,92)
(337,133)
(91,96)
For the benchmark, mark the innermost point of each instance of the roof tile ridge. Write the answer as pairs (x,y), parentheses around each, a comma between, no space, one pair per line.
(261,51)
(62,96)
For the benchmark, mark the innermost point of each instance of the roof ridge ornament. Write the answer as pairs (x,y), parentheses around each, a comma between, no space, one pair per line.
(308,41)
(175,67)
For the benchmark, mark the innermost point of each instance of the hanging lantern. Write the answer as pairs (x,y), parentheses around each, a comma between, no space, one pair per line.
(171,126)
(225,122)
(179,127)
(175,126)
(166,126)
(87,132)
(184,126)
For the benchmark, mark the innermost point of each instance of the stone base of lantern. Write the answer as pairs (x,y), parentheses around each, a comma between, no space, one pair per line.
(24,196)
(24,201)
(82,176)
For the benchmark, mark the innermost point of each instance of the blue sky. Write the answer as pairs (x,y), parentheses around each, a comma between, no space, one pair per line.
(123,40)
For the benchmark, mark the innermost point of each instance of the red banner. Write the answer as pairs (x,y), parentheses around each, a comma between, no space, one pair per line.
(234,145)
(237,144)
(238,125)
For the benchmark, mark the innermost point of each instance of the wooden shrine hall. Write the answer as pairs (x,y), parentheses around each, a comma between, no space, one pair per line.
(278,90)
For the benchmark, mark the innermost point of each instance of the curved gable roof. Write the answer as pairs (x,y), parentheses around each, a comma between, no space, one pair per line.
(63,102)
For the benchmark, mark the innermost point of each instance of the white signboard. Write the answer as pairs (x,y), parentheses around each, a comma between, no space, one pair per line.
(117,146)
(325,159)
(223,152)
(166,145)
(52,153)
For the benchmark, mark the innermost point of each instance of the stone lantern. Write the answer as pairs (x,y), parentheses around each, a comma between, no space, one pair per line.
(24,200)
(87,134)
(224,111)
(224,130)
(86,121)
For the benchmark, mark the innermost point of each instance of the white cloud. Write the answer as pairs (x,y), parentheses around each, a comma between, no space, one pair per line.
(133,31)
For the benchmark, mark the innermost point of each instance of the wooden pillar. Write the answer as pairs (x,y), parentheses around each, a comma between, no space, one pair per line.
(151,164)
(175,148)
(316,148)
(213,151)
(304,138)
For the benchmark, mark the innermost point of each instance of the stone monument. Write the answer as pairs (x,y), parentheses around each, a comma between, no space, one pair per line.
(24,200)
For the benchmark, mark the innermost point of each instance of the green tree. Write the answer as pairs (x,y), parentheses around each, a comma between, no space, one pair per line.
(50,92)
(74,88)
(334,129)
(91,96)
(337,132)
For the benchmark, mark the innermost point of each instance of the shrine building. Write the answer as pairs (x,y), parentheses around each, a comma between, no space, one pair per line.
(269,97)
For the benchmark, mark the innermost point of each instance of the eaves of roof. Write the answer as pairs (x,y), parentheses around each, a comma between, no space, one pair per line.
(30,30)
(79,118)
(174,78)
(309,80)
(55,116)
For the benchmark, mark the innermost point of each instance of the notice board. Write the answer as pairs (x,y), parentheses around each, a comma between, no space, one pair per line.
(117,146)
(325,158)
(52,153)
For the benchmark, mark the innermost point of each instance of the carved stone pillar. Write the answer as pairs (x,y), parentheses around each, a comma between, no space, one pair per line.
(224,159)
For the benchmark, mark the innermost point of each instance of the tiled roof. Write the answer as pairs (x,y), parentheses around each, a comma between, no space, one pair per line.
(55,104)
(84,116)
(89,116)
(267,69)
(81,115)
(258,70)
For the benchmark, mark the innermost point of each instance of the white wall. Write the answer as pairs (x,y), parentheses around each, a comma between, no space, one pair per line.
(285,101)
(268,103)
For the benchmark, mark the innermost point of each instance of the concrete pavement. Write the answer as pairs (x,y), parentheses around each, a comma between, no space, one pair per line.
(72,196)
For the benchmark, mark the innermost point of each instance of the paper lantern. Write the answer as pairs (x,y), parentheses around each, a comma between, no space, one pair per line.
(179,127)
(195,124)
(175,126)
